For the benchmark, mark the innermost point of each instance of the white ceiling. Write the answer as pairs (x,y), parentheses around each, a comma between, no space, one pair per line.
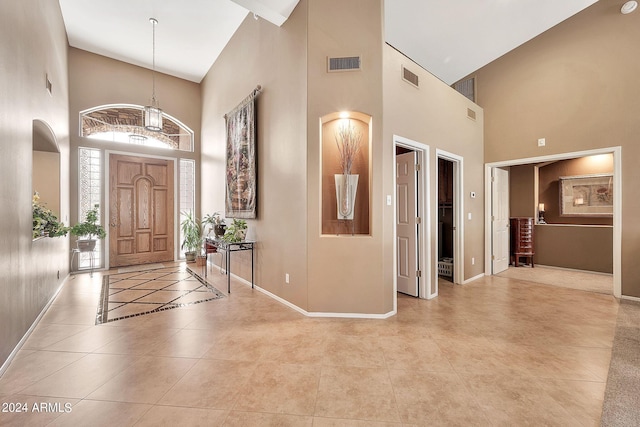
(450,39)
(190,34)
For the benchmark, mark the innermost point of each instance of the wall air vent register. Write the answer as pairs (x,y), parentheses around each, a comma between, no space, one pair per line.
(345,63)
(410,77)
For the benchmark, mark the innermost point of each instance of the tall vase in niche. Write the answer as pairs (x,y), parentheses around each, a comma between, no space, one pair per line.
(346,187)
(348,143)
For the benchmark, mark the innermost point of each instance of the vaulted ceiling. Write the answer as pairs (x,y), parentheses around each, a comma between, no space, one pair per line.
(448,38)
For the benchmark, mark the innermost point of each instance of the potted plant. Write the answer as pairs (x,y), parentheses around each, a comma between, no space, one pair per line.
(236,231)
(217,223)
(192,234)
(45,222)
(90,230)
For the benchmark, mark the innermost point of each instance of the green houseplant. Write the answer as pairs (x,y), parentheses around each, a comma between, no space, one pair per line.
(90,229)
(236,231)
(192,235)
(45,222)
(217,222)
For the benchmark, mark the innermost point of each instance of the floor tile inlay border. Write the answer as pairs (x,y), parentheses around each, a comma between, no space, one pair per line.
(137,293)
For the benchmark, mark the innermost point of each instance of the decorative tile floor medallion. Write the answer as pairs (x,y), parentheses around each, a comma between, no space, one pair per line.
(137,293)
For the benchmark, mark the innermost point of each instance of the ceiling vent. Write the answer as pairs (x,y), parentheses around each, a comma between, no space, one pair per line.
(345,63)
(471,114)
(467,87)
(410,77)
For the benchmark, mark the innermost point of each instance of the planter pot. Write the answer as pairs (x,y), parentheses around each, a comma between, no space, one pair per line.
(346,187)
(219,230)
(241,235)
(86,245)
(190,256)
(201,260)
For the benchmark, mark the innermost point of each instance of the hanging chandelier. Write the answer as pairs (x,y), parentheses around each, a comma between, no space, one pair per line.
(153,113)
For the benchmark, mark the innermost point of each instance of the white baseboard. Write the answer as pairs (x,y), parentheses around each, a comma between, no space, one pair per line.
(630,298)
(18,346)
(573,269)
(474,278)
(315,313)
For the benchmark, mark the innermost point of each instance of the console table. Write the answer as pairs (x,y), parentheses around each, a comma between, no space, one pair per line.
(226,248)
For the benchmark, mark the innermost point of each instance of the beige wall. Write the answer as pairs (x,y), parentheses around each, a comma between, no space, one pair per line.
(588,244)
(346,273)
(549,188)
(434,115)
(329,273)
(574,85)
(274,57)
(33,44)
(580,247)
(522,202)
(46,179)
(96,80)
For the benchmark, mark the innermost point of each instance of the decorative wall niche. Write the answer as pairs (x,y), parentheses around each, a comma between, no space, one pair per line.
(45,179)
(46,166)
(346,142)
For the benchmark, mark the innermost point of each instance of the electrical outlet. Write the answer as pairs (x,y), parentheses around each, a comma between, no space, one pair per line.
(473,261)
(286,278)
(541,142)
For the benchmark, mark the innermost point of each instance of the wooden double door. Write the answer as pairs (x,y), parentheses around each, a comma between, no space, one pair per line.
(141,210)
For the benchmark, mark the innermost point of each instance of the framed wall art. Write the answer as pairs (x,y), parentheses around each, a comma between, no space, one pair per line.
(586,195)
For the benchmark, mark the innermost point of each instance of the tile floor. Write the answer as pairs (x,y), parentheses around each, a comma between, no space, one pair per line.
(495,352)
(574,279)
(133,293)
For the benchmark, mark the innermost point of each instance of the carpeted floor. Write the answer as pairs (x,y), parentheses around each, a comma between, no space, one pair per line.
(574,279)
(621,406)
(136,293)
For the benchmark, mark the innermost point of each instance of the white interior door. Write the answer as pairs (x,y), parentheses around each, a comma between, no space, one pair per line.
(500,219)
(407,224)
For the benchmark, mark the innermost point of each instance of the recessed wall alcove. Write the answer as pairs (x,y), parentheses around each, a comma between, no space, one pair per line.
(46,165)
(330,126)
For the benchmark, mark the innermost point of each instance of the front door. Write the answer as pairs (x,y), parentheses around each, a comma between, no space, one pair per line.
(500,219)
(407,224)
(140,210)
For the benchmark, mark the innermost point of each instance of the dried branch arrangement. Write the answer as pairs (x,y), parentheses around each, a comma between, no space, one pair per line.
(348,143)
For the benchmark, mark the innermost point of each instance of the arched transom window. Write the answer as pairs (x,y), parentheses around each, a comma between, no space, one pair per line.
(124,123)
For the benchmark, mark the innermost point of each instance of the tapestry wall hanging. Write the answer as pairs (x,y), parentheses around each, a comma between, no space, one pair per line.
(241,185)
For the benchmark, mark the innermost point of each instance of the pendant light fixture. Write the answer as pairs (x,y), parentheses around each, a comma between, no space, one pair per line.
(153,113)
